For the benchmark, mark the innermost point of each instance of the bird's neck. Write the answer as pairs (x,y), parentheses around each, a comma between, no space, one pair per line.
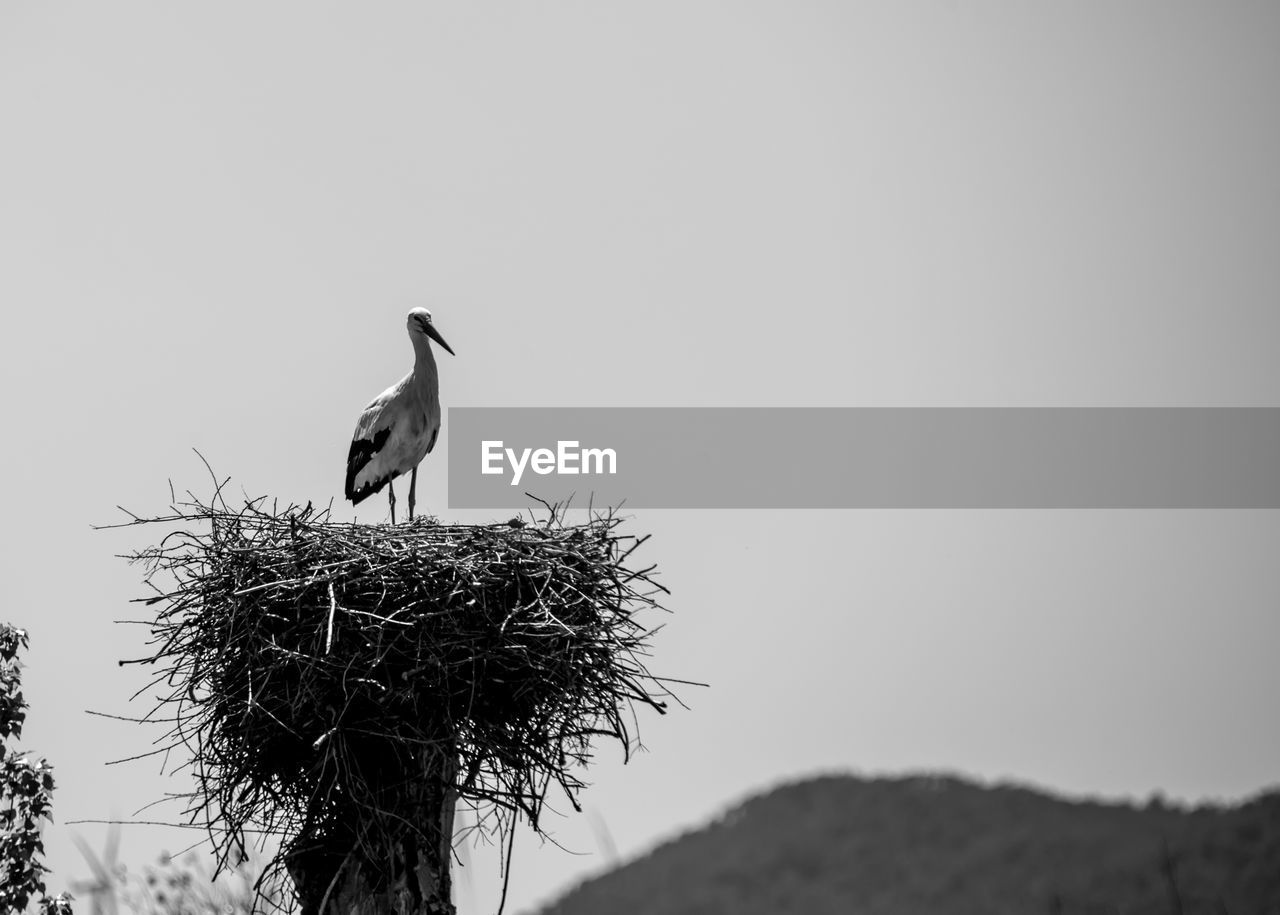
(424,361)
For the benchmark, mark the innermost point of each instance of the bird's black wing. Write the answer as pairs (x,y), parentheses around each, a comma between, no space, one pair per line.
(361,453)
(434,435)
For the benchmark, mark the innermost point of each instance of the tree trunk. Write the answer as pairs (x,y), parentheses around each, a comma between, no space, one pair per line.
(410,875)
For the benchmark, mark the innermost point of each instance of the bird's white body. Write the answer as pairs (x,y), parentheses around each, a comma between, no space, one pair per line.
(412,418)
(399,428)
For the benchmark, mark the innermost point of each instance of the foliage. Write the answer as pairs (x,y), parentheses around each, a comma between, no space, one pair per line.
(187,886)
(179,885)
(26,794)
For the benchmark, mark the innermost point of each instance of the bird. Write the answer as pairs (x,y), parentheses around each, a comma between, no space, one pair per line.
(399,427)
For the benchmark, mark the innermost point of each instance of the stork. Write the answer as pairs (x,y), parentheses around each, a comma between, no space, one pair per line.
(399,428)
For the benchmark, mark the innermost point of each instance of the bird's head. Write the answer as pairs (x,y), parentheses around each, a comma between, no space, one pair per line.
(419,322)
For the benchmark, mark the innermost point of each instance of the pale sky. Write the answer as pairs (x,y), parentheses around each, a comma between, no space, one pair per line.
(213,219)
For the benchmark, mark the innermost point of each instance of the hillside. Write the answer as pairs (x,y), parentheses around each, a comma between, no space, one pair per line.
(944,846)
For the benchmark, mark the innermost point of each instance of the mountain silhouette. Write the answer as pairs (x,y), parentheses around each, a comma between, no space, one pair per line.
(940,845)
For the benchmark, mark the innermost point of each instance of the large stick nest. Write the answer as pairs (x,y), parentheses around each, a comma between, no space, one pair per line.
(308,666)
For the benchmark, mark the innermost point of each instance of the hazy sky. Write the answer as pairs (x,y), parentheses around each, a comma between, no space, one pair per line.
(213,219)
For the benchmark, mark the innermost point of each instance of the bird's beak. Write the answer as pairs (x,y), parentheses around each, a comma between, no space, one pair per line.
(435,335)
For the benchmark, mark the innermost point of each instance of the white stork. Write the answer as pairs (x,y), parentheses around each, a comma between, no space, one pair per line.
(399,428)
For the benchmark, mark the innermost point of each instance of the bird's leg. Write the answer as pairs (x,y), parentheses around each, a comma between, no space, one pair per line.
(391,495)
(413,486)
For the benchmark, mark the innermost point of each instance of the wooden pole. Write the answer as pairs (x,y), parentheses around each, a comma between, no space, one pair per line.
(402,869)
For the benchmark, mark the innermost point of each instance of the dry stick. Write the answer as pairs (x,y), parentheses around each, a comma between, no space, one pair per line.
(333,606)
(324,901)
(1169,868)
(506,875)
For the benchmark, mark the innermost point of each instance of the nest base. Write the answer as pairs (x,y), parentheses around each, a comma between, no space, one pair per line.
(343,687)
(412,877)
